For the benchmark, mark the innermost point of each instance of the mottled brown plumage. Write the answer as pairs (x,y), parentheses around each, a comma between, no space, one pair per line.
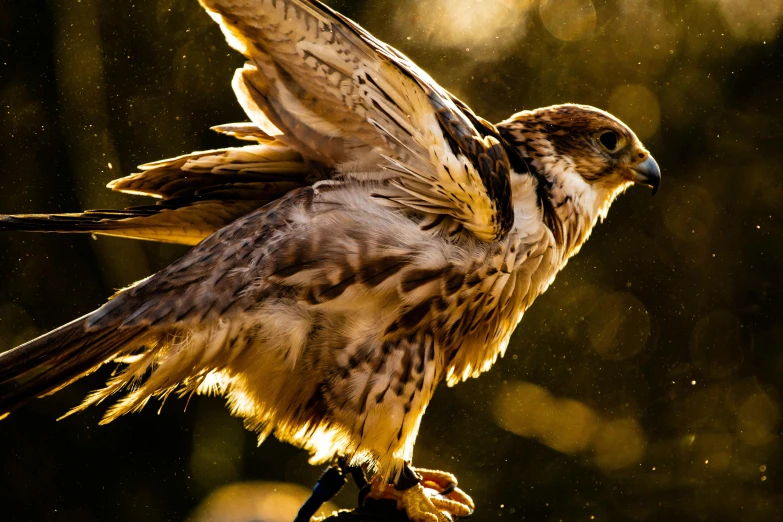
(376,239)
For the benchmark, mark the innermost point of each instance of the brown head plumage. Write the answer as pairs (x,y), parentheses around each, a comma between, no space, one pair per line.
(593,143)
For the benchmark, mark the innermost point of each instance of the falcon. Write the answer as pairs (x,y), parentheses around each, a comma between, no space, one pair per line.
(374,239)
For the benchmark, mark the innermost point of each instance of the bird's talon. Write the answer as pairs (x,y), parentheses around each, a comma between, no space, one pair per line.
(436,499)
(449,489)
(446,485)
(421,507)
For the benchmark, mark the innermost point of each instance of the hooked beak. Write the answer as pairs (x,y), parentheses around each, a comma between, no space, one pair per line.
(648,173)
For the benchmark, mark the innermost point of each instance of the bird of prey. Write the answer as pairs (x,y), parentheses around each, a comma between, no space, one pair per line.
(375,239)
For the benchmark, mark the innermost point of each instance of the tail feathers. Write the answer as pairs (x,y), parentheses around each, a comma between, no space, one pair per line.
(54,360)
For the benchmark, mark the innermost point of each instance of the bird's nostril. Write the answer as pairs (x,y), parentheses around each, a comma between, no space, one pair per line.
(642,155)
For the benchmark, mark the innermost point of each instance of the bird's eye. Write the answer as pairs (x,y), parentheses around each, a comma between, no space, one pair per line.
(609,140)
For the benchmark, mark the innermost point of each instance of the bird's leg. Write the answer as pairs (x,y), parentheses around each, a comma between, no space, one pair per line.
(356,473)
(425,495)
(331,482)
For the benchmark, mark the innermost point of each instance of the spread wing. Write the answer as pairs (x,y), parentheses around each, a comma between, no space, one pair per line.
(323,85)
(198,193)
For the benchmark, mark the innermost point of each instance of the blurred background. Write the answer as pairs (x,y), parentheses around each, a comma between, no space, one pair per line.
(644,385)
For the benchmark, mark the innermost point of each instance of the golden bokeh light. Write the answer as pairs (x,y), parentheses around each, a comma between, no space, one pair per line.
(568,20)
(640,39)
(524,409)
(568,426)
(638,107)
(571,427)
(755,20)
(619,326)
(619,444)
(254,502)
(466,23)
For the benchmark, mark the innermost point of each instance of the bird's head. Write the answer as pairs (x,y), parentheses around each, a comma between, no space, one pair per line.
(586,157)
(582,149)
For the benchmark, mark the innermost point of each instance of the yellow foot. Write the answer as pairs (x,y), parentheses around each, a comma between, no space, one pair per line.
(424,502)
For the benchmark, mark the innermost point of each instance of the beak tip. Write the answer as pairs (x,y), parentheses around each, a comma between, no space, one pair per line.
(648,173)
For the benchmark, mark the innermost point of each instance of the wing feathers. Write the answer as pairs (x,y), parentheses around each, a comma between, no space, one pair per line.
(200,193)
(295,129)
(244,131)
(323,81)
(204,168)
(324,97)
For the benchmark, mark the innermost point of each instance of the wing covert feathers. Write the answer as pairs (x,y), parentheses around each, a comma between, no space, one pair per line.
(336,94)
